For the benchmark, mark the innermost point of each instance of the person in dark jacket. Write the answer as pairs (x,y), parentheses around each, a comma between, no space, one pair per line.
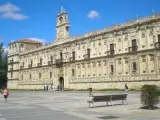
(126,88)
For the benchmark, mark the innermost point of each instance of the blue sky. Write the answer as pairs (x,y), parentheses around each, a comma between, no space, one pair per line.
(37,18)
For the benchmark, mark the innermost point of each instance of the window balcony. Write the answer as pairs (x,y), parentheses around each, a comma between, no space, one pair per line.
(11,69)
(110,52)
(86,56)
(49,62)
(157,45)
(133,49)
(29,66)
(11,61)
(72,59)
(21,67)
(38,64)
(59,62)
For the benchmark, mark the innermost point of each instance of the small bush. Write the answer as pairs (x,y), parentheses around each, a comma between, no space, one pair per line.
(149,96)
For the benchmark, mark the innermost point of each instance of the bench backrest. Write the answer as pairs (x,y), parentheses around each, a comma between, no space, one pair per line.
(119,97)
(101,98)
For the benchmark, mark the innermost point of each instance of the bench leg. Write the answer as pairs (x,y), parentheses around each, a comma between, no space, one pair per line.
(89,104)
(93,105)
(111,102)
(122,102)
(106,103)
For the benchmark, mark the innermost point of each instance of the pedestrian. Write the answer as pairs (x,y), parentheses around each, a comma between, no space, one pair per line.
(51,86)
(44,87)
(126,88)
(90,91)
(47,87)
(5,93)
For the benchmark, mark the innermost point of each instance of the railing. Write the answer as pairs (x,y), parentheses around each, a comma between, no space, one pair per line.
(30,65)
(72,59)
(49,62)
(157,45)
(59,62)
(11,61)
(86,56)
(38,64)
(133,49)
(21,67)
(11,69)
(110,52)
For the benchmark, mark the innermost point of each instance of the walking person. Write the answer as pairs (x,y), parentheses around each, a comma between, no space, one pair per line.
(44,87)
(51,86)
(126,88)
(5,93)
(90,91)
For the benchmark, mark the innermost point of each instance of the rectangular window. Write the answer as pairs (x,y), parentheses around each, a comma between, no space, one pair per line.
(50,74)
(159,38)
(51,59)
(31,63)
(41,61)
(134,66)
(73,55)
(134,43)
(111,49)
(30,76)
(111,46)
(88,52)
(39,75)
(61,56)
(112,69)
(11,74)
(72,72)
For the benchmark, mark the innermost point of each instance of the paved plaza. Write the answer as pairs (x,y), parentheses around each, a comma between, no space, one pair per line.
(70,106)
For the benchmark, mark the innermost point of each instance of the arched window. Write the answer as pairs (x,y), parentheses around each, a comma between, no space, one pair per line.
(61,19)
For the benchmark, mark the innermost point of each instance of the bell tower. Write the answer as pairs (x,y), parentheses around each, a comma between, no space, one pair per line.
(62,26)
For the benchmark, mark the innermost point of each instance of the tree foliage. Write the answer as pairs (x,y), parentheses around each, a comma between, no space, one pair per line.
(3,67)
(150,96)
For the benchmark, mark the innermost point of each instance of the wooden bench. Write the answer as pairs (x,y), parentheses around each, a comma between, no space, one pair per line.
(108,98)
(119,97)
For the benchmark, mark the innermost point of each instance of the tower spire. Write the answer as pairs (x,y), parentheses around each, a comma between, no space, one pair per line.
(62,26)
(62,10)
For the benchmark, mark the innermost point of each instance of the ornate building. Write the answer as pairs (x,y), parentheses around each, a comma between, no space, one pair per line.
(108,58)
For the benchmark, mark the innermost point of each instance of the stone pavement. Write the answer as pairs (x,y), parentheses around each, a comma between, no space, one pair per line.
(70,106)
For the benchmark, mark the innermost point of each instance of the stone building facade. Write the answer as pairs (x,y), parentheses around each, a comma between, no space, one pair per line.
(108,58)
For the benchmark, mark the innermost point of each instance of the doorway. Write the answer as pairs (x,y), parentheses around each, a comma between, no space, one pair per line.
(61,84)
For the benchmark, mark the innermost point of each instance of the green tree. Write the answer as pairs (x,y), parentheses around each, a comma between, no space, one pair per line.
(3,67)
(150,96)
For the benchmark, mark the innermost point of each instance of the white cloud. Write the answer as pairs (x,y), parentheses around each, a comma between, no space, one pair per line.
(15,16)
(12,40)
(93,14)
(11,11)
(8,7)
(40,40)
